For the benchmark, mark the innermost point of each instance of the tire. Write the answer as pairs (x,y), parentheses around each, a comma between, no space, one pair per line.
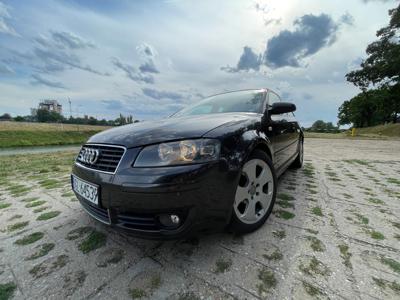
(298,162)
(255,194)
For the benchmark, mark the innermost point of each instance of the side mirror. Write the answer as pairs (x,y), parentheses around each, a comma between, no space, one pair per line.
(282,108)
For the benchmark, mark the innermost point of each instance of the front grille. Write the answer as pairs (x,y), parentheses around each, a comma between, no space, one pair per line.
(100,157)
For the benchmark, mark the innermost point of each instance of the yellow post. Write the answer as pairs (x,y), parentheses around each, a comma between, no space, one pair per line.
(353,131)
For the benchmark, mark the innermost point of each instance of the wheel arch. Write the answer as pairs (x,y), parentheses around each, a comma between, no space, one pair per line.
(260,142)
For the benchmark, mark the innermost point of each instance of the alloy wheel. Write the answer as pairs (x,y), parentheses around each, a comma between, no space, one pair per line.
(254,192)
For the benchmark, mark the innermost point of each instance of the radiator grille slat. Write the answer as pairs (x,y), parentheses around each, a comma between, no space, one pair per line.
(107,157)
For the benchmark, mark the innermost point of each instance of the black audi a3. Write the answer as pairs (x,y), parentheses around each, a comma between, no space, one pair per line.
(210,166)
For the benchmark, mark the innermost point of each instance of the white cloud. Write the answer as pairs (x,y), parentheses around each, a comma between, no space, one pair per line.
(4,17)
(173,48)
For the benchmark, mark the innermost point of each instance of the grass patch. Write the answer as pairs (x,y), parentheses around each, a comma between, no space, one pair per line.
(317,211)
(137,293)
(15,165)
(94,241)
(78,232)
(395,287)
(310,186)
(345,254)
(222,265)
(42,250)
(18,189)
(315,267)
(396,224)
(50,183)
(331,174)
(17,226)
(284,200)
(313,192)
(114,256)
(357,162)
(40,209)
(35,203)
(363,220)
(285,204)
(284,214)
(267,279)
(48,215)
(393,180)
(276,255)
(376,235)
(315,244)
(311,289)
(30,199)
(13,138)
(188,296)
(4,205)
(393,264)
(285,197)
(312,231)
(48,266)
(335,179)
(379,282)
(280,234)
(67,194)
(375,201)
(7,290)
(382,283)
(29,239)
(367,193)
(155,281)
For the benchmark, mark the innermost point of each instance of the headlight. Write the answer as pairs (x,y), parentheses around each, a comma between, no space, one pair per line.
(179,153)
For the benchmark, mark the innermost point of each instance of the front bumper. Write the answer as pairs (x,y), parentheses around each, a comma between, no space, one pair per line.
(133,199)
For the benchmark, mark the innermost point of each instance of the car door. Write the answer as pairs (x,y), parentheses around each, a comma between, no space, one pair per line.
(279,132)
(294,135)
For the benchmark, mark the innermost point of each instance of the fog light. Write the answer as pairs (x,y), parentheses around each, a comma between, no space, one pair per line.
(169,220)
(175,219)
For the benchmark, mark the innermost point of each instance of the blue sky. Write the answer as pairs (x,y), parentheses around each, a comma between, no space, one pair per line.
(151,58)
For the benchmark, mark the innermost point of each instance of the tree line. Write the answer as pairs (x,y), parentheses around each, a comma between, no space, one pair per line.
(378,79)
(45,116)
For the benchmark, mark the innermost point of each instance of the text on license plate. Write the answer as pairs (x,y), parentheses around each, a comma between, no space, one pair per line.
(86,190)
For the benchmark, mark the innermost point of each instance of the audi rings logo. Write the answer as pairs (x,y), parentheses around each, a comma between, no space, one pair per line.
(89,156)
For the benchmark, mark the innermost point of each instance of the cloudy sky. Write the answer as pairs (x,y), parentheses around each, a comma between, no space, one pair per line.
(151,58)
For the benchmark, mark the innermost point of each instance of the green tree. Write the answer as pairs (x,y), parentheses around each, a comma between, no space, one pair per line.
(43,115)
(318,125)
(381,69)
(19,119)
(5,117)
(321,126)
(368,108)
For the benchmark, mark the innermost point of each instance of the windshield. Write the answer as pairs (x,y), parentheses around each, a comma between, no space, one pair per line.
(242,101)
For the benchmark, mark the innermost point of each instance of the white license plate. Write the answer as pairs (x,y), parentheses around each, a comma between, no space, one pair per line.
(87,190)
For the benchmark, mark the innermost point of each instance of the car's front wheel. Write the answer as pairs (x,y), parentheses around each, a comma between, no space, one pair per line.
(255,193)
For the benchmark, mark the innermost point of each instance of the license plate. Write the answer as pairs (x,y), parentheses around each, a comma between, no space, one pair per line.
(85,189)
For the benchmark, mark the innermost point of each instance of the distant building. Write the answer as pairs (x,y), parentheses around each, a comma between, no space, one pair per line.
(49,105)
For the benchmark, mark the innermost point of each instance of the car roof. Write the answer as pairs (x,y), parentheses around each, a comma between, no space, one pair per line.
(243,90)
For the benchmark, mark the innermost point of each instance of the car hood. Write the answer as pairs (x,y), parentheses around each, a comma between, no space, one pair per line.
(150,132)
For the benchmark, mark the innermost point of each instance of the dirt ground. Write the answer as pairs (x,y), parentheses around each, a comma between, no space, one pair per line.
(334,234)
